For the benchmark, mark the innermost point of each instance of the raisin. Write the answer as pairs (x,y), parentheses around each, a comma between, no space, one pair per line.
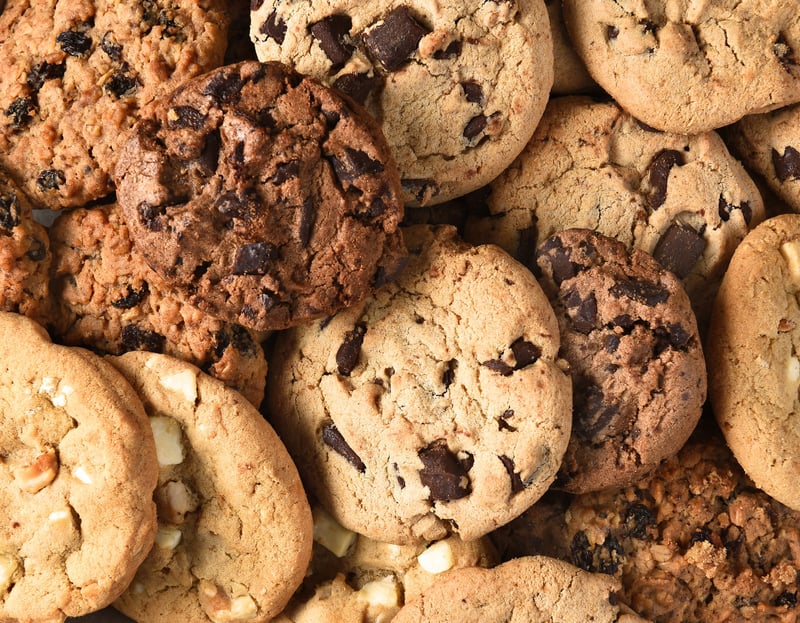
(74,42)
(50,179)
(21,111)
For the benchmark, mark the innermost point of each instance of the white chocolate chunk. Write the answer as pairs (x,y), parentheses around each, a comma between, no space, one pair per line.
(168,537)
(383,593)
(8,567)
(438,558)
(56,391)
(330,534)
(174,501)
(184,383)
(167,434)
(81,474)
(791,253)
(793,371)
(221,608)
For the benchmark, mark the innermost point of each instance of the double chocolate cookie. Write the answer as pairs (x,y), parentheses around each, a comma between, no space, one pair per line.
(262,197)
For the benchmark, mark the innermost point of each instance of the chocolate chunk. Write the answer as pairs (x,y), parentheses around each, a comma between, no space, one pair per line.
(350,350)
(308,215)
(10,213)
(225,87)
(186,117)
(658,176)
(121,84)
(637,519)
(43,71)
(582,313)
(499,366)
(395,38)
(725,210)
(525,353)
(611,343)
(20,110)
(286,171)
(645,292)
(333,438)
(443,473)
(111,47)
(558,257)
(421,189)
(593,414)
(50,179)
(516,482)
(473,91)
(449,375)
(242,206)
(274,27)
(136,338)
(474,127)
(354,164)
(612,32)
(357,86)
(679,249)
(787,166)
(74,43)
(254,259)
(330,32)
(453,50)
(132,298)
(673,337)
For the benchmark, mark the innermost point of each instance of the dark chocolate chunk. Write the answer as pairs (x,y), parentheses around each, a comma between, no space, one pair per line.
(474,126)
(43,71)
(725,210)
(612,32)
(421,189)
(74,42)
(449,375)
(473,91)
(611,343)
(111,47)
(132,298)
(637,519)
(394,39)
(186,117)
(443,473)
(136,338)
(592,413)
(357,86)
(330,32)
(308,215)
(516,482)
(354,164)
(582,312)
(645,292)
(350,350)
(333,438)
(121,84)
(679,249)
(50,179)
(525,353)
(558,257)
(254,259)
(274,27)
(787,166)
(453,50)
(286,171)
(20,110)
(225,87)
(10,213)
(240,206)
(658,175)
(499,366)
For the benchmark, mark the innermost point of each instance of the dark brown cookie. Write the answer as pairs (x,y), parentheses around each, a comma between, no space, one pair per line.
(631,339)
(262,196)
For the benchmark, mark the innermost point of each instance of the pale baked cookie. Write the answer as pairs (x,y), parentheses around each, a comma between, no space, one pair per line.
(106,298)
(637,367)
(754,368)
(690,66)
(77,476)
(435,407)
(78,73)
(262,197)
(769,145)
(355,579)
(683,199)
(457,86)
(535,589)
(25,255)
(234,523)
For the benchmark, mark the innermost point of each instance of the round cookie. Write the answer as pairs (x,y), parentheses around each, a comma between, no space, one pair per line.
(77,476)
(25,255)
(690,67)
(638,372)
(77,75)
(262,197)
(769,145)
(754,369)
(234,523)
(424,411)
(683,199)
(106,298)
(457,86)
(535,589)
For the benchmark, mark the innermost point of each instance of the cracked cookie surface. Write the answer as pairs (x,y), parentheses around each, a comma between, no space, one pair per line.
(78,471)
(636,362)
(754,360)
(457,87)
(424,411)
(234,524)
(78,73)
(690,66)
(262,197)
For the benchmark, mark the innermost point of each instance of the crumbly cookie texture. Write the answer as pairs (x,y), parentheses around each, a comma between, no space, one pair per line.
(636,362)
(537,589)
(690,67)
(76,478)
(78,73)
(424,411)
(457,86)
(234,524)
(105,297)
(754,369)
(683,199)
(262,197)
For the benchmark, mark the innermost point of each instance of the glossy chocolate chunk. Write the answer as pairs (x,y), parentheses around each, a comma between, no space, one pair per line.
(516,481)
(679,249)
(443,474)
(658,174)
(354,164)
(254,259)
(787,165)
(725,210)
(274,27)
(357,86)
(333,438)
(350,350)
(330,33)
(393,40)
(645,292)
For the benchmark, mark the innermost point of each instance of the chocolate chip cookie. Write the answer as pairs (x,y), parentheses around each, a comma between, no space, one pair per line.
(636,362)
(690,67)
(76,76)
(234,524)
(457,86)
(106,298)
(77,476)
(424,411)
(262,197)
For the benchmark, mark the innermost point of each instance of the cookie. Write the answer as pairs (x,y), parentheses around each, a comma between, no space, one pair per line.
(683,199)
(536,589)
(106,298)
(424,411)
(754,370)
(78,74)
(77,474)
(636,361)
(25,256)
(690,68)
(695,541)
(354,579)
(234,523)
(262,197)
(769,145)
(457,86)
(570,76)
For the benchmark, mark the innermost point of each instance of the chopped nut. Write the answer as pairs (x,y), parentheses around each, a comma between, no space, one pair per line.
(167,433)
(791,253)
(437,558)
(36,476)
(329,534)
(174,500)
(9,566)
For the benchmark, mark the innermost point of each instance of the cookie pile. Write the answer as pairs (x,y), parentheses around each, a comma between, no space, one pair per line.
(400,310)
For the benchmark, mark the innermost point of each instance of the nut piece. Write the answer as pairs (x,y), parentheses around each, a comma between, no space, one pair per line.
(438,558)
(791,253)
(167,433)
(174,500)
(36,476)
(168,537)
(9,568)
(331,535)
(222,609)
